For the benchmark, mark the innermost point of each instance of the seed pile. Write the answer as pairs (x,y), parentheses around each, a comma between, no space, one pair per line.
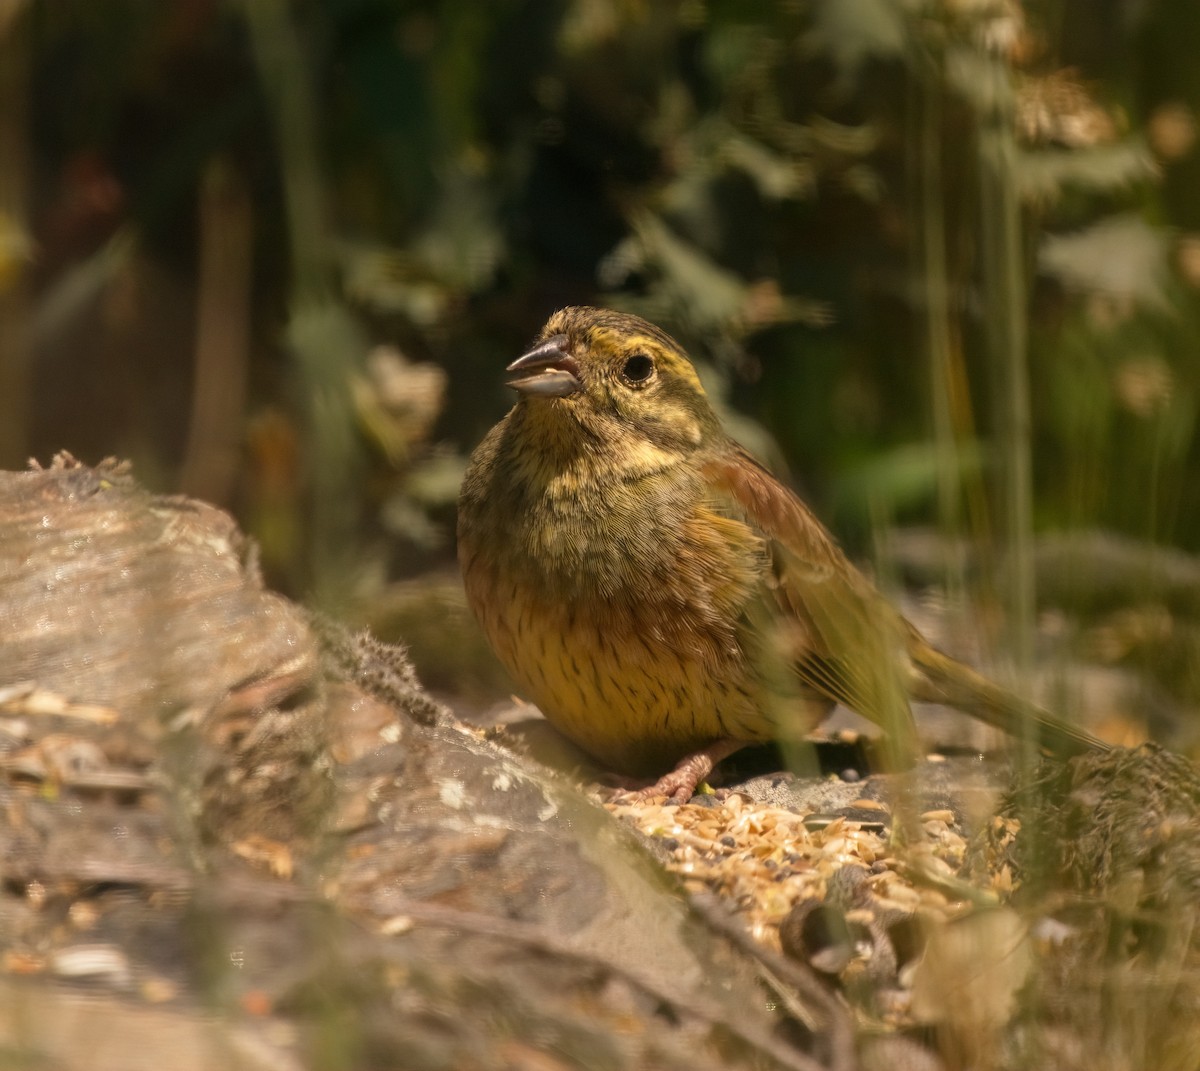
(765,860)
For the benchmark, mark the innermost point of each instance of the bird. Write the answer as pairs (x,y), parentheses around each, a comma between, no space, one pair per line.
(662,597)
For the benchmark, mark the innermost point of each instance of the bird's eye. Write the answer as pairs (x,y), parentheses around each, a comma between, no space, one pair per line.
(637,370)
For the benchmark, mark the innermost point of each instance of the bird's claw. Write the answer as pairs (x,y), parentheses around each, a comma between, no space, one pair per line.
(679,785)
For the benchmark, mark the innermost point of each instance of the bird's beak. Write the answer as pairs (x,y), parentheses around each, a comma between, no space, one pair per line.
(547,370)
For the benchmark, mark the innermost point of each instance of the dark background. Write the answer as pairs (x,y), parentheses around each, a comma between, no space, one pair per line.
(913,248)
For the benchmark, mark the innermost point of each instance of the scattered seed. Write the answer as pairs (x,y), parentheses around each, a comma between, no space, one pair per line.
(946,816)
(763,859)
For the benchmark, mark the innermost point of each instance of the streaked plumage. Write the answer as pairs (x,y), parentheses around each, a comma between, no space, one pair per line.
(655,590)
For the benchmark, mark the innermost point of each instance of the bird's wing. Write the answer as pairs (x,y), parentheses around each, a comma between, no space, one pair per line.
(848,640)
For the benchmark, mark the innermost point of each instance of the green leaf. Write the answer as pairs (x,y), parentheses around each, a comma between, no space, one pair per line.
(854,31)
(1045,174)
(1122,256)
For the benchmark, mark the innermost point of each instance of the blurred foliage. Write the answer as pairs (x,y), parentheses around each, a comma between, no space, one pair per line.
(796,189)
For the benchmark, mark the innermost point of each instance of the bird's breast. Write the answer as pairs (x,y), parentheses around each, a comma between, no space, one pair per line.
(620,610)
(587,539)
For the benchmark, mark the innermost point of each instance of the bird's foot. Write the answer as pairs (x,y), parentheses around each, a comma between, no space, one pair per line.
(680,784)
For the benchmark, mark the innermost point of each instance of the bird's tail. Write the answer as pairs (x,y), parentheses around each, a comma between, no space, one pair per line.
(941,679)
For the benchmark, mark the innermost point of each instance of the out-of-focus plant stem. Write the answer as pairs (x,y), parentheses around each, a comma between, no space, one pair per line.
(15,318)
(943,370)
(1005,328)
(223,325)
(961,496)
(322,336)
(284,69)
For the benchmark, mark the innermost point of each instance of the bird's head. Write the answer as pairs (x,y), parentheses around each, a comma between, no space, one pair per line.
(602,366)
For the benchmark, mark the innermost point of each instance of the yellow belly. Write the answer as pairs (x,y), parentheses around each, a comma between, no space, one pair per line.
(638,617)
(625,695)
(631,704)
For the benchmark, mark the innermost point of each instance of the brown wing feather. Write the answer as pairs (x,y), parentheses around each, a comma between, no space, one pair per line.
(859,649)
(850,640)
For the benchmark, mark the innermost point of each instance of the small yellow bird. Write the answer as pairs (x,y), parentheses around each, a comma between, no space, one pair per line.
(659,594)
